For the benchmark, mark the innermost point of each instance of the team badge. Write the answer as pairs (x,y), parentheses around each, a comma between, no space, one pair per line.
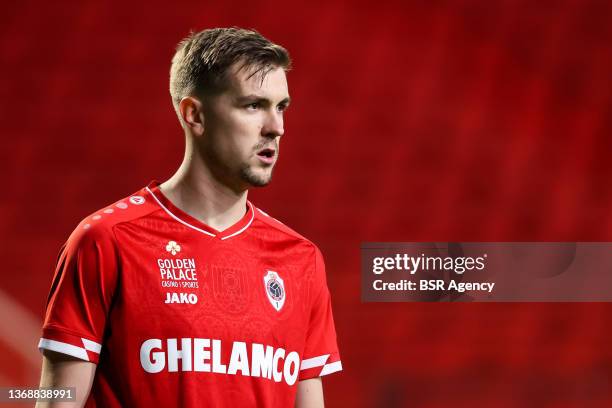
(275,289)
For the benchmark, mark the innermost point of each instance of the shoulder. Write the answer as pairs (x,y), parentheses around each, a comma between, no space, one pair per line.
(99,225)
(276,226)
(275,229)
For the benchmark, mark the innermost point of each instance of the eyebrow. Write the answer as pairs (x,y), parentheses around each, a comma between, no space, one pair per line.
(254,97)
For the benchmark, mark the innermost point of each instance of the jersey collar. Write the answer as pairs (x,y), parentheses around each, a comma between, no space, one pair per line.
(182,217)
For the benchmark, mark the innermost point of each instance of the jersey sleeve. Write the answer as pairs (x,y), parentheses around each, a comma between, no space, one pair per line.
(81,294)
(321,356)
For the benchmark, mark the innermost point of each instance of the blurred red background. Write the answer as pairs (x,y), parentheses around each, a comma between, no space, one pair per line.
(410,121)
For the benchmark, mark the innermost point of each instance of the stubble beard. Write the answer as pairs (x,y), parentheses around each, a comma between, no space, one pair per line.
(253,179)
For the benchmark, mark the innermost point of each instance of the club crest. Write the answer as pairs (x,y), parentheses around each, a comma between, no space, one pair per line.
(275,289)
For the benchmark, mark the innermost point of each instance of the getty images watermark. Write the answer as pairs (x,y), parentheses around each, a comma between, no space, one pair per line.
(485,272)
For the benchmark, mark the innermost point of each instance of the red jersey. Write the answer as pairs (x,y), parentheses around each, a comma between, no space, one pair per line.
(176,313)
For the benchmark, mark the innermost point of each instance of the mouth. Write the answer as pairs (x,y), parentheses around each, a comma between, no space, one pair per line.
(267,155)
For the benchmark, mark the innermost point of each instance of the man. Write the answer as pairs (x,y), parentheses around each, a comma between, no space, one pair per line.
(185,293)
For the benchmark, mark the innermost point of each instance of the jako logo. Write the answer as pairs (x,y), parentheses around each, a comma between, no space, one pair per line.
(181,298)
(138,200)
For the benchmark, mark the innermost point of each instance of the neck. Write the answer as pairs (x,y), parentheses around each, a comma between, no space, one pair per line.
(195,191)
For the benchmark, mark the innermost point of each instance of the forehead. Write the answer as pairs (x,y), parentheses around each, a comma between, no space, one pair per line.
(270,82)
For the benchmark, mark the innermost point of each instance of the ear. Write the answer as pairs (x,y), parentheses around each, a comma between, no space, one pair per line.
(192,114)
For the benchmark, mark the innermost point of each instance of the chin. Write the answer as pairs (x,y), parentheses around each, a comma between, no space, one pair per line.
(256,179)
(261,183)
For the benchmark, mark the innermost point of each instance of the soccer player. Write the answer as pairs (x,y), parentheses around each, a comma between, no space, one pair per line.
(184,293)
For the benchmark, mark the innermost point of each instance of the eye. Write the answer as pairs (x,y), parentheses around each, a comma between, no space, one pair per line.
(253,106)
(282,107)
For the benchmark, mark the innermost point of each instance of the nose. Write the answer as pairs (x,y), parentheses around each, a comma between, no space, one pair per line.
(273,126)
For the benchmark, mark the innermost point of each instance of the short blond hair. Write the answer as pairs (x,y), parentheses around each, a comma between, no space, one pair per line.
(202,60)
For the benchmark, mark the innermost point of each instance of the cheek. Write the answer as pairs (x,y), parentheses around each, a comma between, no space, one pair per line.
(235,144)
(235,135)
(245,134)
(243,125)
